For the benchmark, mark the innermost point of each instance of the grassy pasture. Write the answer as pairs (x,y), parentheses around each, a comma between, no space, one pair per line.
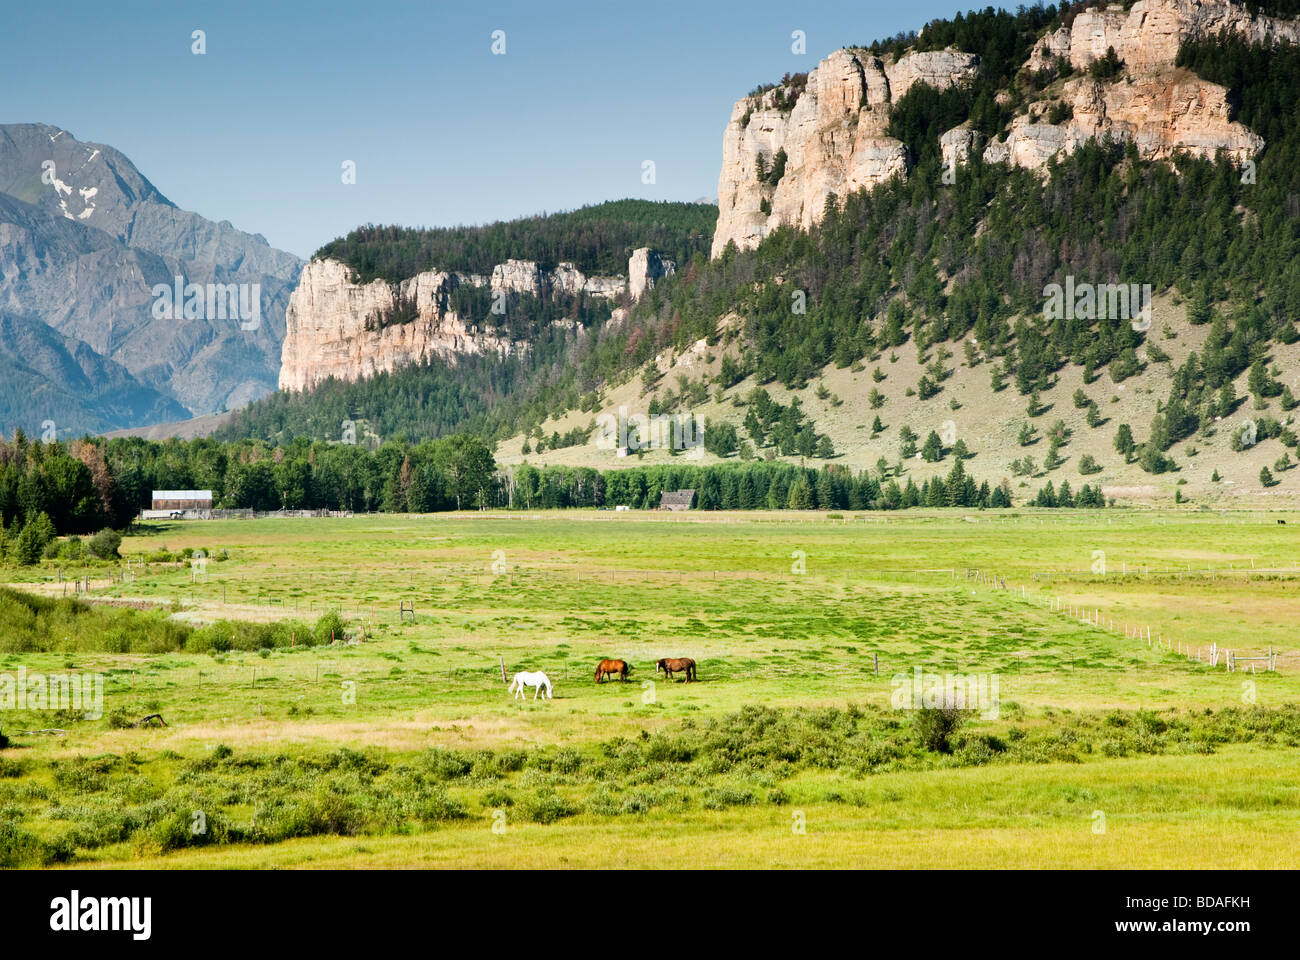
(406,749)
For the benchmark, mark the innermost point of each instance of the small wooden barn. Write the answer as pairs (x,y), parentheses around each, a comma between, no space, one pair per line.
(182,500)
(677,500)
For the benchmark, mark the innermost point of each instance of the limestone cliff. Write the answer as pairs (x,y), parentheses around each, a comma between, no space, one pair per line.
(1159,109)
(1168,112)
(1147,35)
(644,269)
(334,324)
(328,316)
(831,141)
(789,148)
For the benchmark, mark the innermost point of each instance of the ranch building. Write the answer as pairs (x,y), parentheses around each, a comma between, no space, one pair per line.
(677,500)
(182,500)
(179,505)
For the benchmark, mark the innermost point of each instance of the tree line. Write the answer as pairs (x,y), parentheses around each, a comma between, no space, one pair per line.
(598,239)
(57,489)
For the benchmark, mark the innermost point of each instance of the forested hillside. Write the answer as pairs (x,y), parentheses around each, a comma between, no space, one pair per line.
(960,267)
(597,239)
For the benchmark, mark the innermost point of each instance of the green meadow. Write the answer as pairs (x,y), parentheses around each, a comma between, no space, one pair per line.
(398,745)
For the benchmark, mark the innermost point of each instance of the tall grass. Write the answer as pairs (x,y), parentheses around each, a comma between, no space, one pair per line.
(35,624)
(748,758)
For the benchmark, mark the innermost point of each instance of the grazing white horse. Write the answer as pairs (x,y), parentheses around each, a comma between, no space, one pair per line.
(532,679)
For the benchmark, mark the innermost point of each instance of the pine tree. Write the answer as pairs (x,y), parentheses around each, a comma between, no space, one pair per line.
(1124,443)
(933,449)
(800,495)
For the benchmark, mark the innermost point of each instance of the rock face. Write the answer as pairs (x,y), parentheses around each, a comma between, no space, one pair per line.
(938,68)
(328,317)
(1157,107)
(644,268)
(958,144)
(1147,36)
(832,140)
(334,325)
(1049,47)
(518,276)
(780,164)
(1161,113)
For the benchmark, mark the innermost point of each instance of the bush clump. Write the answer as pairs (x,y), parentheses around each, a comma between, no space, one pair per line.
(933,726)
(545,806)
(104,545)
(330,628)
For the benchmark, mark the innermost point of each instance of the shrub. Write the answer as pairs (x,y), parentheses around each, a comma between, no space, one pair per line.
(21,849)
(330,628)
(934,725)
(180,827)
(662,749)
(444,764)
(511,760)
(721,797)
(567,760)
(210,639)
(71,550)
(324,811)
(437,807)
(603,802)
(545,806)
(105,544)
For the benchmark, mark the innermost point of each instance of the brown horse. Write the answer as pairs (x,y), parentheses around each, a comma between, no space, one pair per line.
(610,668)
(671,665)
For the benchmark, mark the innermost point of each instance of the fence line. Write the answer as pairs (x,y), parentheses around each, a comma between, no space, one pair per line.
(1135,631)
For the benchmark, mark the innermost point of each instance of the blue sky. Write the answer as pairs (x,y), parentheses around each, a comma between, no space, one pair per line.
(441,130)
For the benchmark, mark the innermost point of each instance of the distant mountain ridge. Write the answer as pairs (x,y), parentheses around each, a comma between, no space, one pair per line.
(84,240)
(47,377)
